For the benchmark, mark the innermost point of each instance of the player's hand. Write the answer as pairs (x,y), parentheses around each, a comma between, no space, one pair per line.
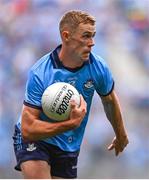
(118,144)
(77,113)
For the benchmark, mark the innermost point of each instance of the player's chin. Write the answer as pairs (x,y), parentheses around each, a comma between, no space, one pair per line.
(85,57)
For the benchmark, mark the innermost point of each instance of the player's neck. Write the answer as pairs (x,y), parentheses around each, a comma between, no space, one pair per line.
(68,60)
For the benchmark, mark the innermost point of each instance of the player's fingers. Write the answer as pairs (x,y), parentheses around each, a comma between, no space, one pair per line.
(110,147)
(116,151)
(73,104)
(121,149)
(83,104)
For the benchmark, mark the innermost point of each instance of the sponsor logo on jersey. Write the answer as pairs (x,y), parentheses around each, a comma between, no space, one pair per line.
(72,82)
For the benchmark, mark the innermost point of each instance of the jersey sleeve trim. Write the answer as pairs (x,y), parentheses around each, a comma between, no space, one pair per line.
(109,91)
(31,105)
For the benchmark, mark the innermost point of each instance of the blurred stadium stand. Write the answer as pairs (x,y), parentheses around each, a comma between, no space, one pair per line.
(29,29)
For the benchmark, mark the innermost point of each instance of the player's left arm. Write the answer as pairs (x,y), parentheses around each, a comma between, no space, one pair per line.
(114,115)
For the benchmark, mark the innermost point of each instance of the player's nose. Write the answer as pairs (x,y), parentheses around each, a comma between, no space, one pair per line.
(91,42)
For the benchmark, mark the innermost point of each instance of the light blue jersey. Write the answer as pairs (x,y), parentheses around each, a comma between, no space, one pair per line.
(94,75)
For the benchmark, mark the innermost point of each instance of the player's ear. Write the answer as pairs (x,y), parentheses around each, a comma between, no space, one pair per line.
(65,35)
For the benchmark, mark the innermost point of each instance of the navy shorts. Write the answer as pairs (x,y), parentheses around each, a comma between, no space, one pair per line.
(63,164)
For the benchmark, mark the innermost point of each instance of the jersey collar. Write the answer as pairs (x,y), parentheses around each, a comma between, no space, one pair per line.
(59,65)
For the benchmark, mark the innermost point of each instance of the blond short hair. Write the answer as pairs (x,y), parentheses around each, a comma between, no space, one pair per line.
(72,19)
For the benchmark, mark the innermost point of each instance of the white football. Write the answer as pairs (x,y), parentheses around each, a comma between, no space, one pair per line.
(56,100)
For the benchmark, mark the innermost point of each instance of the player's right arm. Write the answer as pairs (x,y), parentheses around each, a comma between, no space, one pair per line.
(33,128)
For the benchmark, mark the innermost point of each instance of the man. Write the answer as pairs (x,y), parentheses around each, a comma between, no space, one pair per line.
(47,149)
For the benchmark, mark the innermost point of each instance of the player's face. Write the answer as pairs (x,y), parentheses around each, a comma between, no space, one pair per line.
(81,41)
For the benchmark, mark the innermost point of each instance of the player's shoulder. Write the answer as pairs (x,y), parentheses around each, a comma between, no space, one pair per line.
(97,60)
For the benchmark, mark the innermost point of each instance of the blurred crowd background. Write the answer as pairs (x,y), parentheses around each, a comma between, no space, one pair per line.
(29,29)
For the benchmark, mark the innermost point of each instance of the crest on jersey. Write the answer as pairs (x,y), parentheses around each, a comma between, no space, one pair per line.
(31,147)
(89,84)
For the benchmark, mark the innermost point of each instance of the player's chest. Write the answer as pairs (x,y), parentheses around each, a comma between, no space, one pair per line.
(82,80)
